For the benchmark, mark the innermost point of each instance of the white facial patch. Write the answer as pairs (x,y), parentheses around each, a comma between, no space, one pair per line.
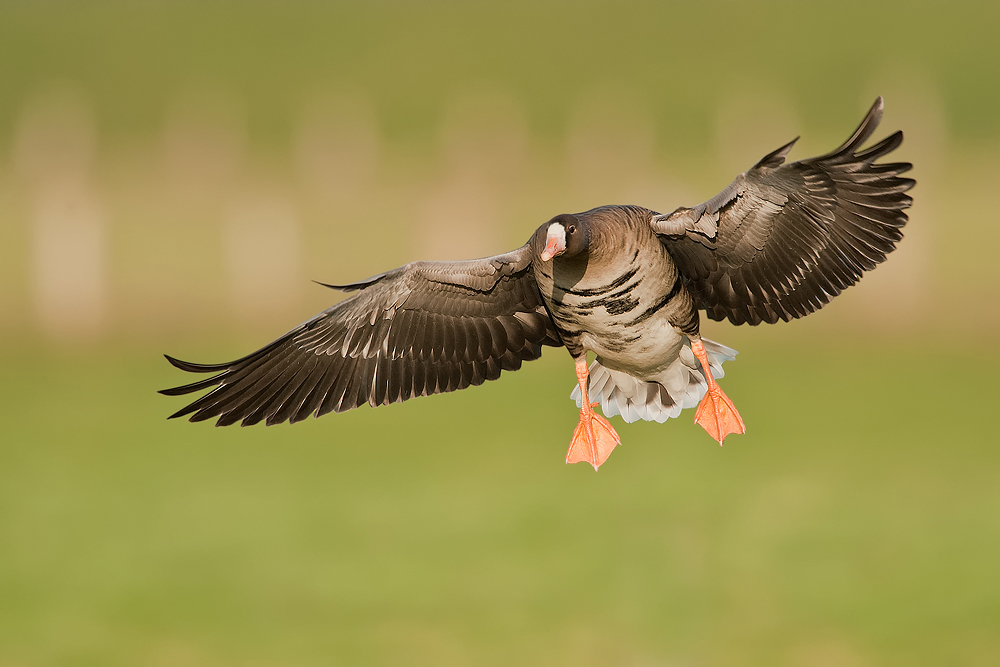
(555,241)
(556,231)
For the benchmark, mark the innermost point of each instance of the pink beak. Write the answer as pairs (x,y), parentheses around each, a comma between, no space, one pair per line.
(555,242)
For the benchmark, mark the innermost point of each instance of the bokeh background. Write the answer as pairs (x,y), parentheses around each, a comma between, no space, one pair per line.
(173,174)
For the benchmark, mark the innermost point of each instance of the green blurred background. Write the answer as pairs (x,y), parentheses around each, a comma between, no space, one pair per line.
(172,175)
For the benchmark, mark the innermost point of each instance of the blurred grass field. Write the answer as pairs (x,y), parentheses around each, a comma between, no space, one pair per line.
(855,523)
(172,174)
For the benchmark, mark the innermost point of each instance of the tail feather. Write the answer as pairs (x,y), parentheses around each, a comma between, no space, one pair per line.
(682,385)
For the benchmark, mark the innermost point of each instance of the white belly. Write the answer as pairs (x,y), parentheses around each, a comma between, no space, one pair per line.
(655,346)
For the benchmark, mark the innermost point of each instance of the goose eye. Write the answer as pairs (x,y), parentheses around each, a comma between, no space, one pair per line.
(572,228)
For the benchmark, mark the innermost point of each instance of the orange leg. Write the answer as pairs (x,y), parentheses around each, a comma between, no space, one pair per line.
(593,438)
(716,413)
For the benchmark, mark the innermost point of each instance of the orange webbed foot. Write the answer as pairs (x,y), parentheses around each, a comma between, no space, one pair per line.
(716,413)
(593,440)
(718,416)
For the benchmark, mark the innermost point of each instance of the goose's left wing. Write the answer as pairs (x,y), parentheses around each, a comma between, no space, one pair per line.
(784,239)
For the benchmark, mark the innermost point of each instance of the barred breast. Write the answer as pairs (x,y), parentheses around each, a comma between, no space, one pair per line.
(624,301)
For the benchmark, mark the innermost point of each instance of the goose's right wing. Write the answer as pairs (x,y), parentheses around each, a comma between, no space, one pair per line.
(424,328)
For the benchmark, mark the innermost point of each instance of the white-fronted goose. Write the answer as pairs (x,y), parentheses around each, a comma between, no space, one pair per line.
(623,282)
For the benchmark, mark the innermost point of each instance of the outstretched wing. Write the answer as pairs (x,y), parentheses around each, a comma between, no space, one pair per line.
(784,239)
(424,328)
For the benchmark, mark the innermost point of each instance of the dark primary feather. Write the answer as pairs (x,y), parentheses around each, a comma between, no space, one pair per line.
(784,239)
(424,328)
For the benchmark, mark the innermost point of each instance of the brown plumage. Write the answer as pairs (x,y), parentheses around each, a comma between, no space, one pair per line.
(424,328)
(784,239)
(623,282)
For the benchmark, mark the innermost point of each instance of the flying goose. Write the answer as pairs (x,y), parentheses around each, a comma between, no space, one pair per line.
(623,282)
